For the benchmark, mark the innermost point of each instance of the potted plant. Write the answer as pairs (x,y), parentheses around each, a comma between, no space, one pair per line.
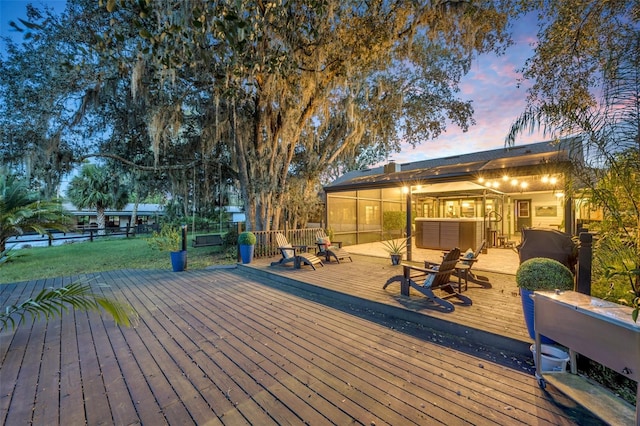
(246,241)
(539,274)
(169,239)
(395,248)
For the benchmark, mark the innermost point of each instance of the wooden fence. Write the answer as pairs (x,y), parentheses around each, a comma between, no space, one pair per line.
(266,245)
(86,234)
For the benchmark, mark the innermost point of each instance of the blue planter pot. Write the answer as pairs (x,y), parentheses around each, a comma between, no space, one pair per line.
(246,253)
(178,260)
(528,310)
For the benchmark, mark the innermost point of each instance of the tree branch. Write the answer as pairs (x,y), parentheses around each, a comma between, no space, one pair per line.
(139,166)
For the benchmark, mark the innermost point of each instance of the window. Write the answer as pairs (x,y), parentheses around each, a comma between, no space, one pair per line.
(341,214)
(523,209)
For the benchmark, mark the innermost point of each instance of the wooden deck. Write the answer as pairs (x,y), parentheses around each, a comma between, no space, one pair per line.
(264,345)
(494,319)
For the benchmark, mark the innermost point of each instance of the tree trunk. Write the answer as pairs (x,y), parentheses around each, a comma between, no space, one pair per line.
(101,220)
(134,216)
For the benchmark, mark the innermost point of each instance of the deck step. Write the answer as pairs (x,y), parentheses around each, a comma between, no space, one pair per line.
(601,402)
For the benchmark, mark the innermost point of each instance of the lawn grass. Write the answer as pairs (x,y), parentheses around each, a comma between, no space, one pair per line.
(100,255)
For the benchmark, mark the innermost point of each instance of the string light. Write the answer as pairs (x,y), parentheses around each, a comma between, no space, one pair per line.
(521,184)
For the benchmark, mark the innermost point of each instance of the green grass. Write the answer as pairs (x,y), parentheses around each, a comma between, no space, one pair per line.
(101,255)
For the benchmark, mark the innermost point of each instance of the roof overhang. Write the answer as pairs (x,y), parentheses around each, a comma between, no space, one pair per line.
(410,177)
(460,188)
(471,171)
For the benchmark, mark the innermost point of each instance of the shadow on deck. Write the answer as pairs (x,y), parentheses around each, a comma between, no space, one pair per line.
(494,319)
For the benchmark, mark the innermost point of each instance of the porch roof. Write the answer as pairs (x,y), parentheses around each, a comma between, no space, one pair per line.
(460,187)
(517,161)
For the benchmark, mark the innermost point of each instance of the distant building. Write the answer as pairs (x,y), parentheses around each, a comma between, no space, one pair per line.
(236,213)
(147,214)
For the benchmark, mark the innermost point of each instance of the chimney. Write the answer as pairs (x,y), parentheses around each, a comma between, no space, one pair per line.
(391,167)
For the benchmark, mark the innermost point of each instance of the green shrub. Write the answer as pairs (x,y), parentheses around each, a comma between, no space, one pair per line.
(541,273)
(168,239)
(394,220)
(231,238)
(246,239)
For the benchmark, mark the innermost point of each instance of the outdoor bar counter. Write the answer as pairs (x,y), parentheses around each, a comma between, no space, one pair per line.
(447,233)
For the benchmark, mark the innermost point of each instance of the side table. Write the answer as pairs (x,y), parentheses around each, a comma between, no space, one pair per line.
(462,271)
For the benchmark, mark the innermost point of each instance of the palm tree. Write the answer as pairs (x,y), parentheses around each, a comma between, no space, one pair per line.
(610,132)
(21,211)
(96,188)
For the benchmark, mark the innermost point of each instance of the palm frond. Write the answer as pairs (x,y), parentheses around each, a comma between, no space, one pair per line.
(21,211)
(9,254)
(50,302)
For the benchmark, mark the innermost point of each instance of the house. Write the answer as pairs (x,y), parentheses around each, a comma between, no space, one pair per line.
(147,214)
(459,201)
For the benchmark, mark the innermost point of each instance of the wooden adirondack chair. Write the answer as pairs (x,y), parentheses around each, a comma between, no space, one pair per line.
(436,277)
(296,255)
(329,249)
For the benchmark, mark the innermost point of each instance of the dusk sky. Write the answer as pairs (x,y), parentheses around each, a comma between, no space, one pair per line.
(491,84)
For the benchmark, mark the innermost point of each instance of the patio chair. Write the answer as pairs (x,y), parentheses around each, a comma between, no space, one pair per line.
(329,249)
(467,260)
(297,255)
(437,277)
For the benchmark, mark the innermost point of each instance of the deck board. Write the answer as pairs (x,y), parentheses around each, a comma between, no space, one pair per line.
(70,375)
(342,379)
(395,363)
(265,332)
(264,345)
(26,383)
(47,396)
(496,309)
(93,387)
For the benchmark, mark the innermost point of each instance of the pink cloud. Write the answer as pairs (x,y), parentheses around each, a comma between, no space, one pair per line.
(492,85)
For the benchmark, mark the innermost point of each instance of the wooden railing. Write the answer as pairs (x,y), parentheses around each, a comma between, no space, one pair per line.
(266,245)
